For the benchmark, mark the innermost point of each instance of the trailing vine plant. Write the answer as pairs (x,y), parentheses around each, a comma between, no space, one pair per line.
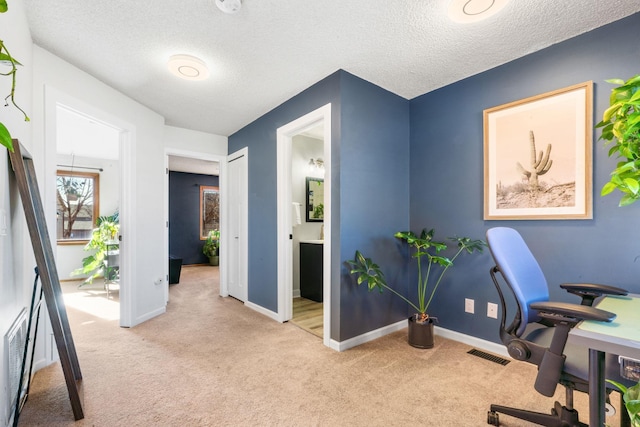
(621,127)
(7,59)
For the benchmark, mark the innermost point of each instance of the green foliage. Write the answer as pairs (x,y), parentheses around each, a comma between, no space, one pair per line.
(6,58)
(212,244)
(631,397)
(106,231)
(621,129)
(423,247)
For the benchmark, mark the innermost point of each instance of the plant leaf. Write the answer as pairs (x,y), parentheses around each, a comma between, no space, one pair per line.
(5,137)
(3,6)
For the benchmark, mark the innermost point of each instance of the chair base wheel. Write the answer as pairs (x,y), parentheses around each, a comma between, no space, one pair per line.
(493,418)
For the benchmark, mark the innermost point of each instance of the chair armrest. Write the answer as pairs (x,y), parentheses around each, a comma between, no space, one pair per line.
(590,291)
(573,313)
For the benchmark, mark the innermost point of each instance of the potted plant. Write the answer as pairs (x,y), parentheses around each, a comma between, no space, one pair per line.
(621,127)
(423,247)
(7,59)
(104,242)
(211,248)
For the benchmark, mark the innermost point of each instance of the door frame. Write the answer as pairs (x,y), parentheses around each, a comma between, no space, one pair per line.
(176,152)
(127,135)
(285,136)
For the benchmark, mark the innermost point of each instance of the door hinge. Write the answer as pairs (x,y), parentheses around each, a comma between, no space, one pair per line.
(167,170)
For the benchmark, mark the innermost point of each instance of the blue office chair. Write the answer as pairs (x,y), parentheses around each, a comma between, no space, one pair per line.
(545,346)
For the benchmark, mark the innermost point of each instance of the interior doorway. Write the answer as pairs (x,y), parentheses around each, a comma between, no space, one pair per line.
(190,177)
(88,194)
(320,122)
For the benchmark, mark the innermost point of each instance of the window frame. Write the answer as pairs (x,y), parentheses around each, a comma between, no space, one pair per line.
(95,209)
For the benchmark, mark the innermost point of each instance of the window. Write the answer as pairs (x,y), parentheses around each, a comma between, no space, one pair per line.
(209,210)
(77,206)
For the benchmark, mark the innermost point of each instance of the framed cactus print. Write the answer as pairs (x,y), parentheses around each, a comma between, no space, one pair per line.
(537,156)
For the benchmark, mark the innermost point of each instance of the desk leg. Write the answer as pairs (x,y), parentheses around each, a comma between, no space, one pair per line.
(596,388)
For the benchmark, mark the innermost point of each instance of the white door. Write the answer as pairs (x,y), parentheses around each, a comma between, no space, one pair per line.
(237,195)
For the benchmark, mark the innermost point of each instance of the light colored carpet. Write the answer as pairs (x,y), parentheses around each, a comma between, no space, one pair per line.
(210,361)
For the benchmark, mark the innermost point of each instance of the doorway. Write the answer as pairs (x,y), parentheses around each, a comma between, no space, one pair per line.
(87,196)
(319,121)
(189,173)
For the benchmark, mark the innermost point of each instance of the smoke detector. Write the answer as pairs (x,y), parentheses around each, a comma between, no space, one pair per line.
(229,6)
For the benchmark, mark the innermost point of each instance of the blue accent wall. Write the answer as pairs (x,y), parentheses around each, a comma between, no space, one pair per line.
(399,165)
(184,215)
(374,201)
(260,138)
(370,147)
(447,175)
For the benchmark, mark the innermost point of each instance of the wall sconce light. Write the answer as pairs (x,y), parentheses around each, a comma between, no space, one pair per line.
(316,164)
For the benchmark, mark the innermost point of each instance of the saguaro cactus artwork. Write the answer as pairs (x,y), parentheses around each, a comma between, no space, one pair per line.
(539,163)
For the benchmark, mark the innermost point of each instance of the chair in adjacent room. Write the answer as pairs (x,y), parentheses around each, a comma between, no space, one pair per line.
(547,325)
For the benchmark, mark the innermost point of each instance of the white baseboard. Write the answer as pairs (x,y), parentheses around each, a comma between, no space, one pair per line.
(262,310)
(369,336)
(472,341)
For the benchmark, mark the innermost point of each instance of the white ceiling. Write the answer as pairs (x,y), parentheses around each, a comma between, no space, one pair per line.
(273,49)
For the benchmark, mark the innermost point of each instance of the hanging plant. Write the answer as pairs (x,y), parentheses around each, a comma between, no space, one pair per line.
(621,127)
(7,60)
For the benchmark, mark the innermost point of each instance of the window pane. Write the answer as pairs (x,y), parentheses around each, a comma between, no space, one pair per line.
(77,195)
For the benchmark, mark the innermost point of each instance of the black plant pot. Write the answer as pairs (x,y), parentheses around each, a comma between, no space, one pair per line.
(420,333)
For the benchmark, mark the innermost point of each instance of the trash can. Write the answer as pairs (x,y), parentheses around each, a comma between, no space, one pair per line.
(175,266)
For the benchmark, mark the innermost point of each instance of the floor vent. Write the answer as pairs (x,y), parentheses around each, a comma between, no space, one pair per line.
(487,356)
(15,340)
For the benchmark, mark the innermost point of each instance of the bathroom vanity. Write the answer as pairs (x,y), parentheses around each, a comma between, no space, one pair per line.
(311,269)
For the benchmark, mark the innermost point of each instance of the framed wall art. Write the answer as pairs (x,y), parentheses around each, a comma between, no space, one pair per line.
(209,210)
(537,156)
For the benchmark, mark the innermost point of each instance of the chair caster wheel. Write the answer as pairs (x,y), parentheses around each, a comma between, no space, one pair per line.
(492,418)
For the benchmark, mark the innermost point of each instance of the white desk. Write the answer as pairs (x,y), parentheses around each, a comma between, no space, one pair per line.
(622,337)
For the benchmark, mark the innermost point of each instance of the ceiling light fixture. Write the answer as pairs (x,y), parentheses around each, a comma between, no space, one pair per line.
(188,67)
(467,11)
(229,6)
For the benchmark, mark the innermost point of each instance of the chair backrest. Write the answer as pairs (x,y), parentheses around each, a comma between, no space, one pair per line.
(520,270)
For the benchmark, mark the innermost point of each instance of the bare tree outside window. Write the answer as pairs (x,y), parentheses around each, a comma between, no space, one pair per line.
(77,207)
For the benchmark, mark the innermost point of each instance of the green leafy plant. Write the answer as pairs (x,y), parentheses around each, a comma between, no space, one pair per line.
(106,232)
(212,244)
(7,59)
(423,247)
(621,127)
(631,397)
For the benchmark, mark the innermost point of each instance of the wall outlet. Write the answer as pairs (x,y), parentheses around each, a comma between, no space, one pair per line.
(492,310)
(468,305)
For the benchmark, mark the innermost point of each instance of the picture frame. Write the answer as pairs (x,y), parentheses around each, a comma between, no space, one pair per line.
(538,156)
(209,210)
(315,199)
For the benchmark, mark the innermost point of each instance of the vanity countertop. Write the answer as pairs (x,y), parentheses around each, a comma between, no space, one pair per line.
(317,242)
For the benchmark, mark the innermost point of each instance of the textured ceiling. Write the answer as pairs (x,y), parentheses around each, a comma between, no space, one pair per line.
(274,49)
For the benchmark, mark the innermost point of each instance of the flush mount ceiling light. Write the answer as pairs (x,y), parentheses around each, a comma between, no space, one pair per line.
(229,6)
(467,11)
(188,67)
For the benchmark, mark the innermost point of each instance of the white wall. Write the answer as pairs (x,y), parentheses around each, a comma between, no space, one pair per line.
(304,148)
(69,257)
(58,82)
(194,141)
(16,256)
(43,81)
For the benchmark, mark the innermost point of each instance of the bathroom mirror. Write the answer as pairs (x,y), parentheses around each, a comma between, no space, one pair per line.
(315,199)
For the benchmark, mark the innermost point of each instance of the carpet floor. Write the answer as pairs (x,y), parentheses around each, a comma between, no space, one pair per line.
(210,361)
